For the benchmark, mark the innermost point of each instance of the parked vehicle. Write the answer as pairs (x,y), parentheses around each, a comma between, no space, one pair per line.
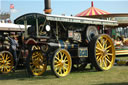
(64,42)
(10,43)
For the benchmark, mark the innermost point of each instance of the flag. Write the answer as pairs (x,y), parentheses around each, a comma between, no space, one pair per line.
(11,6)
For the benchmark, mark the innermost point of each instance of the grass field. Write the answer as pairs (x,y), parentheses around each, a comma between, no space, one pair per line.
(118,75)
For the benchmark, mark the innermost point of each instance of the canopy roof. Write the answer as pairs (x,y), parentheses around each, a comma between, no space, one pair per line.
(11,27)
(31,18)
(92,11)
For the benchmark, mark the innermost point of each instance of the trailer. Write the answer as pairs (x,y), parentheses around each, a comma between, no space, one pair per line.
(65,42)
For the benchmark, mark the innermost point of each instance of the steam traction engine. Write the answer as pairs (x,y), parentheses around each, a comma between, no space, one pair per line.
(65,42)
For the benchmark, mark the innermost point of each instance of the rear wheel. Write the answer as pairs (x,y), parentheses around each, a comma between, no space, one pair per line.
(36,63)
(61,63)
(6,62)
(102,52)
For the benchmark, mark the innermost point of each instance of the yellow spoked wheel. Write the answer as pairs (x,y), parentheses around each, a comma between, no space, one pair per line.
(36,63)
(6,62)
(102,52)
(61,63)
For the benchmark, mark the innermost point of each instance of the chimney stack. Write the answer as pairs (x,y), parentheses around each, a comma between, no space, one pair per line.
(47,4)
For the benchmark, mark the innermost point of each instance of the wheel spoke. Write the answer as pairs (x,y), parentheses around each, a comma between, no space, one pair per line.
(108,60)
(64,69)
(108,51)
(99,58)
(41,66)
(0,59)
(108,47)
(101,61)
(99,44)
(66,61)
(34,56)
(105,63)
(99,49)
(8,63)
(98,54)
(4,56)
(7,58)
(56,66)
(66,65)
(62,55)
(56,62)
(2,69)
(65,58)
(102,41)
(5,68)
(60,70)
(104,44)
(109,54)
(57,58)
(1,66)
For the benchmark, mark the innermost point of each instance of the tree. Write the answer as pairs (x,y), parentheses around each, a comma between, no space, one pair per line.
(4,15)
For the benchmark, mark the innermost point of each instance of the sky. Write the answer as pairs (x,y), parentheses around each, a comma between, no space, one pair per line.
(67,7)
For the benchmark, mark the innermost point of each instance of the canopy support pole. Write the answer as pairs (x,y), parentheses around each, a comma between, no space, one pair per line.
(37,27)
(25,24)
(57,31)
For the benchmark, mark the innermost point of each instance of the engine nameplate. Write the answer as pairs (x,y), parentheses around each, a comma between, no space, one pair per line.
(83,52)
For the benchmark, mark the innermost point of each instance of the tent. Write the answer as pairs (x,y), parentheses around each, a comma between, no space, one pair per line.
(92,11)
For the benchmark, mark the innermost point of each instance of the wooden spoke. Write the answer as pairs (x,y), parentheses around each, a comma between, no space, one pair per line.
(100,44)
(108,47)
(109,54)
(105,63)
(98,54)
(99,49)
(100,58)
(104,44)
(108,60)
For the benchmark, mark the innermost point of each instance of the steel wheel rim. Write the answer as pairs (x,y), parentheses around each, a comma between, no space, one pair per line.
(38,63)
(105,52)
(62,63)
(6,62)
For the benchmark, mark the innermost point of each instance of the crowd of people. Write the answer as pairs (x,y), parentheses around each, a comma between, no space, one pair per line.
(120,41)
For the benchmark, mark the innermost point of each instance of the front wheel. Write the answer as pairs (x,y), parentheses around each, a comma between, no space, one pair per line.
(102,52)
(36,63)
(61,63)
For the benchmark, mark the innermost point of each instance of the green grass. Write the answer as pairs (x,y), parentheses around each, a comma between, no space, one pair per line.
(118,75)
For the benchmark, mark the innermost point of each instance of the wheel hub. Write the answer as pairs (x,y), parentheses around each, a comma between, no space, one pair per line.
(61,63)
(104,52)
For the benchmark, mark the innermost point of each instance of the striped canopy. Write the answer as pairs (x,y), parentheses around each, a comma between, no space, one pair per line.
(92,11)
